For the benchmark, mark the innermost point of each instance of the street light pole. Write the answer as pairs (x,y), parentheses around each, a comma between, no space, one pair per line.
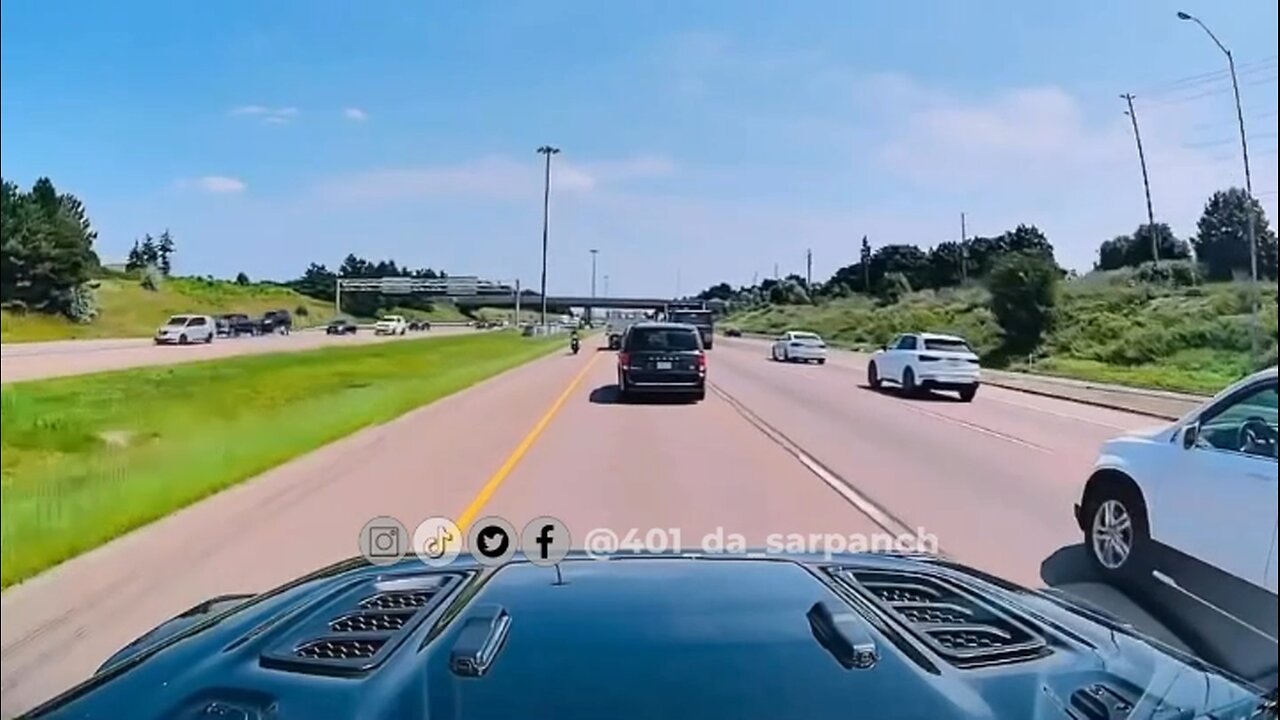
(591,312)
(548,151)
(1248,177)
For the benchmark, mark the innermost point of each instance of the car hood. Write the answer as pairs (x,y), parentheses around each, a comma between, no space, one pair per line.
(872,636)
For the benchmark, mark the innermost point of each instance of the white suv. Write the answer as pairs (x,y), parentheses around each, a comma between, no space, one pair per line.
(1195,500)
(185,329)
(926,361)
(391,325)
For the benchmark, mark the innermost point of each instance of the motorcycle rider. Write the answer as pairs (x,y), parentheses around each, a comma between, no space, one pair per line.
(574,341)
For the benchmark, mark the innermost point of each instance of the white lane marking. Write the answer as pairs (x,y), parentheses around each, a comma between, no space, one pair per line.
(980,429)
(1068,416)
(867,507)
(864,504)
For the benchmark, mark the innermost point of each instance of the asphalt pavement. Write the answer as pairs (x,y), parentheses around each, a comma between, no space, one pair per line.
(775,449)
(35,361)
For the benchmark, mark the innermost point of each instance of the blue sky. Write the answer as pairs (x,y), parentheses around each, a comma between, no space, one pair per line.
(701,141)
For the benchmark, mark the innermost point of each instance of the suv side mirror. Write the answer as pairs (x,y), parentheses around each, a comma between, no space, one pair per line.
(1190,434)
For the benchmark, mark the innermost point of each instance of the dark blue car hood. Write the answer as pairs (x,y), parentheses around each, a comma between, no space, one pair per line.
(865,636)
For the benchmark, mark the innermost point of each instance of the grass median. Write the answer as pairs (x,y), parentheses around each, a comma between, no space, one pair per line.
(86,459)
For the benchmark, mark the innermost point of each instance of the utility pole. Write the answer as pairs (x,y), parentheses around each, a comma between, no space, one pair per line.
(808,270)
(776,277)
(964,251)
(337,296)
(548,151)
(1146,182)
(591,311)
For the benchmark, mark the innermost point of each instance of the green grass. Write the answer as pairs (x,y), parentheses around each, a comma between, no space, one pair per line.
(126,309)
(88,458)
(1108,329)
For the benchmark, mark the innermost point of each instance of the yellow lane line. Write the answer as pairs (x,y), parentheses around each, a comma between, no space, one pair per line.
(473,510)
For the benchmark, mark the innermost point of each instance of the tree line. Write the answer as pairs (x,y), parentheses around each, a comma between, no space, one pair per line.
(1021,272)
(1219,249)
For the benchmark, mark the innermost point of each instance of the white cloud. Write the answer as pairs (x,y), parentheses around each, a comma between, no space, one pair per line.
(216,184)
(355,114)
(268,115)
(497,177)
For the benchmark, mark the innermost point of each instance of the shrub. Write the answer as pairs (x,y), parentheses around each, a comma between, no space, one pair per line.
(83,303)
(152,278)
(1023,296)
(301,311)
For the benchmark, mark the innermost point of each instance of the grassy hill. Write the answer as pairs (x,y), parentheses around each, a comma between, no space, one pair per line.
(1107,329)
(126,309)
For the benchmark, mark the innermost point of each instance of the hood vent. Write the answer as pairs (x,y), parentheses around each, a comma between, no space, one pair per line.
(354,630)
(955,623)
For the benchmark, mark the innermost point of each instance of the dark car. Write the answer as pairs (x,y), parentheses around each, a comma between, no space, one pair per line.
(662,358)
(733,332)
(797,637)
(341,326)
(277,321)
(238,324)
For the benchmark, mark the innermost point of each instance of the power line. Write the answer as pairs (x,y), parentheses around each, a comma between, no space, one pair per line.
(1200,79)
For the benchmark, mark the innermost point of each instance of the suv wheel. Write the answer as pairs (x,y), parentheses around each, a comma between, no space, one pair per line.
(873,376)
(909,382)
(968,393)
(1116,532)
(182,339)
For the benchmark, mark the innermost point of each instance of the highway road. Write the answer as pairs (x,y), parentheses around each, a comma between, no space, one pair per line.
(33,361)
(775,448)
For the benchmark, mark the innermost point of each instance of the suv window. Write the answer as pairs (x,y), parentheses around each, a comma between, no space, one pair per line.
(942,345)
(908,342)
(662,340)
(196,322)
(1245,424)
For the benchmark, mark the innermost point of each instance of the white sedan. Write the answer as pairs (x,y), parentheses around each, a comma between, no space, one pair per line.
(1195,500)
(926,361)
(795,346)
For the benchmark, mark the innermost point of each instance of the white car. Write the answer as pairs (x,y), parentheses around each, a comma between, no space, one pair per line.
(186,329)
(1195,500)
(926,361)
(796,346)
(391,325)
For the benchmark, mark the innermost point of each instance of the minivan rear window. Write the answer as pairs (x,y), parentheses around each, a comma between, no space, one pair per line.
(662,340)
(941,345)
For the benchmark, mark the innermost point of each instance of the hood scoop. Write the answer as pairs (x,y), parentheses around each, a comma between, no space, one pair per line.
(957,624)
(354,631)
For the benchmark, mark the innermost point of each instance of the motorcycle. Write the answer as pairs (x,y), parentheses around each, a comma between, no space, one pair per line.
(574,344)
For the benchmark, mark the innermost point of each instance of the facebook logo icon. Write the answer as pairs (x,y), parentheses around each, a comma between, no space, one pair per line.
(545,541)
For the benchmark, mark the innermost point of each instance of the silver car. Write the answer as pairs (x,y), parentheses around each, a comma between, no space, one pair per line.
(186,329)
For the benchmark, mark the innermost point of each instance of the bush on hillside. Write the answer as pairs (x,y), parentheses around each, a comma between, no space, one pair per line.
(82,306)
(301,311)
(1024,288)
(152,278)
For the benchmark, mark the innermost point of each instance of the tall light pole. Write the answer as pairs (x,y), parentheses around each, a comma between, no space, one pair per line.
(1248,177)
(1146,182)
(548,151)
(591,312)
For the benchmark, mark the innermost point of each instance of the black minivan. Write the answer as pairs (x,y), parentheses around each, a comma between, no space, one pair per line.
(662,358)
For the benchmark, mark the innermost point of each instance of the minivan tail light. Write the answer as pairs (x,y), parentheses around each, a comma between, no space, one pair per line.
(702,361)
(929,358)
(624,360)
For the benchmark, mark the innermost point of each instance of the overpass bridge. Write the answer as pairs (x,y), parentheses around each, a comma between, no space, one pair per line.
(534,300)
